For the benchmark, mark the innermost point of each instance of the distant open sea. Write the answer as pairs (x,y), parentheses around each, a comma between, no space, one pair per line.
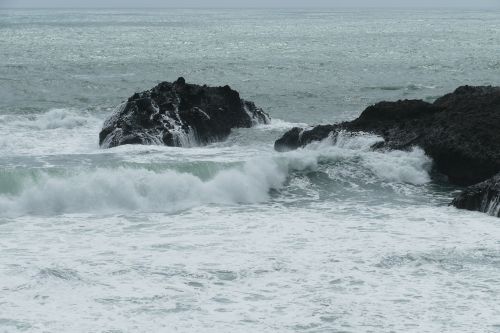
(235,237)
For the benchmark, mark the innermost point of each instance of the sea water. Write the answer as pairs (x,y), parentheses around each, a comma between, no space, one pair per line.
(233,236)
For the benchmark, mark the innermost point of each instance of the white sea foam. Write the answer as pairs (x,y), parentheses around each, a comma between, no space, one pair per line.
(57,131)
(399,166)
(52,119)
(113,190)
(317,256)
(278,125)
(106,190)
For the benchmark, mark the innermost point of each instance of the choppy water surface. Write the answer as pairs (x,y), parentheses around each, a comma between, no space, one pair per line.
(235,237)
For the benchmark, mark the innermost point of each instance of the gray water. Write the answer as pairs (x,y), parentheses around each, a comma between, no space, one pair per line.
(234,237)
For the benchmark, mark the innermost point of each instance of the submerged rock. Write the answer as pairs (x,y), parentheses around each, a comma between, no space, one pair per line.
(459,131)
(483,197)
(179,114)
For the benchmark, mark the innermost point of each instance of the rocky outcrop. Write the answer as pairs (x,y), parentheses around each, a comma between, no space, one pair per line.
(483,197)
(179,114)
(460,131)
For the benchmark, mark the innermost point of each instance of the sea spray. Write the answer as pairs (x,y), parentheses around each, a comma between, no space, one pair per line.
(52,119)
(109,190)
(53,132)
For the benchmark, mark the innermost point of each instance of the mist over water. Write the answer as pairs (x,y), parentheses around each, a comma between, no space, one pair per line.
(235,237)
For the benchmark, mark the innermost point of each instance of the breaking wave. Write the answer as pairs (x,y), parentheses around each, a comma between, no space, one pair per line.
(52,119)
(112,190)
(134,189)
(56,131)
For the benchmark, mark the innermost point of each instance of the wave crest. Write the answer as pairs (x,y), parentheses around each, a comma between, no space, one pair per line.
(126,189)
(130,189)
(52,119)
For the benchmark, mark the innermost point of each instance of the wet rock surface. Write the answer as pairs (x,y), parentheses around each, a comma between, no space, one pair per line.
(460,131)
(179,114)
(483,197)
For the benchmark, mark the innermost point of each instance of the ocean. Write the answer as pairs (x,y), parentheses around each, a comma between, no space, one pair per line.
(233,236)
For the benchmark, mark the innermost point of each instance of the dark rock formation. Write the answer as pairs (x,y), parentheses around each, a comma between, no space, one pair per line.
(179,114)
(483,197)
(460,131)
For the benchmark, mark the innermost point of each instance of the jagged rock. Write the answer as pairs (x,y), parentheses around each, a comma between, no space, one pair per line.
(179,114)
(483,197)
(460,131)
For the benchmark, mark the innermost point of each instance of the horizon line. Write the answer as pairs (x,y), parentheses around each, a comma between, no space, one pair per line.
(497,6)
